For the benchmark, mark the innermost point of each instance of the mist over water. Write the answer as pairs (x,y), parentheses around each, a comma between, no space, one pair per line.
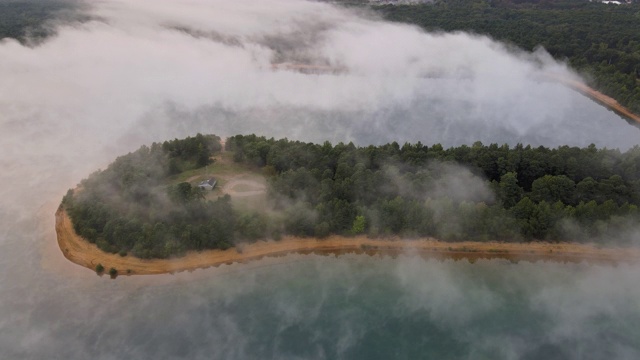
(144,71)
(353,307)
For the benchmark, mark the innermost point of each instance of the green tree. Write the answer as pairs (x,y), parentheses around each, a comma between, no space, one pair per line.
(552,188)
(510,193)
(523,211)
(252,226)
(184,193)
(359,224)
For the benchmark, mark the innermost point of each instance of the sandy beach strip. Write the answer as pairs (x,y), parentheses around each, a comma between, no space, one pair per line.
(83,253)
(602,99)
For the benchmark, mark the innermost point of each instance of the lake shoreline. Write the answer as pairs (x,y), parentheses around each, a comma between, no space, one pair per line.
(602,99)
(81,252)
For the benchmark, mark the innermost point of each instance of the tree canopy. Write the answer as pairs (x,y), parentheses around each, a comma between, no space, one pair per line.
(479,192)
(128,207)
(474,192)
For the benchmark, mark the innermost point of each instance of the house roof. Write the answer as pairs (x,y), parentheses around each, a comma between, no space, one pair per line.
(210,182)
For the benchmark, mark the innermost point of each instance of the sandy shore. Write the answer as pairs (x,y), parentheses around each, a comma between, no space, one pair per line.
(602,99)
(83,253)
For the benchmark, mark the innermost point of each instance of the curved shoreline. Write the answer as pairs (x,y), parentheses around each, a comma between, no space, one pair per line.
(602,99)
(581,87)
(83,253)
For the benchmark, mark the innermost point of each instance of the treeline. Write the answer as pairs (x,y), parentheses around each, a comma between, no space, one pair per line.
(129,208)
(526,193)
(29,20)
(598,39)
(191,152)
(479,192)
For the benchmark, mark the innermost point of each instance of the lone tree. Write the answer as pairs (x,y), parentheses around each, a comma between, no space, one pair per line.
(99,269)
(359,225)
(113,273)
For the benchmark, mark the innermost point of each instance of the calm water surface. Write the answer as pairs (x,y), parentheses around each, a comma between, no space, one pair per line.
(351,307)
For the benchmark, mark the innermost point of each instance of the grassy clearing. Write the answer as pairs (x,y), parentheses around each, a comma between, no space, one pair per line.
(248,203)
(222,169)
(225,170)
(245,188)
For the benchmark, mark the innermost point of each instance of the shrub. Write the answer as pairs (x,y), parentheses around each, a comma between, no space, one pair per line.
(113,273)
(99,269)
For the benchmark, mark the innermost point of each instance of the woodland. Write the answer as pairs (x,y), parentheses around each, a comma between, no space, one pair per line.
(479,192)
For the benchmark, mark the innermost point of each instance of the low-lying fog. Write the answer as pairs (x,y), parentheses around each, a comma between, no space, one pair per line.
(144,71)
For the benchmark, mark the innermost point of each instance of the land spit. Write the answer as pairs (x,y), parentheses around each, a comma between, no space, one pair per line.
(84,253)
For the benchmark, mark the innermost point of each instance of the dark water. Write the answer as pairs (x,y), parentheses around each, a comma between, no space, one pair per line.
(352,307)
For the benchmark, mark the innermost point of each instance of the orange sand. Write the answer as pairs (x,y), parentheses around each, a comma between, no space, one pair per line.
(88,255)
(602,99)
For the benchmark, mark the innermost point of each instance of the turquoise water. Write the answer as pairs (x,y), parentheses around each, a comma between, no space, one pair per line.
(360,307)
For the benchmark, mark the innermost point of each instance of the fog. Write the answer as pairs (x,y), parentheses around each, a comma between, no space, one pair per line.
(142,71)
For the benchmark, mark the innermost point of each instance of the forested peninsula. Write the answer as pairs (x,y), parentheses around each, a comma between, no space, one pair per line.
(158,202)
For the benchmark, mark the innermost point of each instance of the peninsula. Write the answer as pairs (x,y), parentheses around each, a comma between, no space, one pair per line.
(83,253)
(200,202)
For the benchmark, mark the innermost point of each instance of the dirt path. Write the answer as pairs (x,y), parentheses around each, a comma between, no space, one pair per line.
(83,253)
(244,187)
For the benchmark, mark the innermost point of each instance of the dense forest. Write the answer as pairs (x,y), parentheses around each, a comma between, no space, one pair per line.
(414,190)
(29,21)
(599,40)
(479,192)
(129,207)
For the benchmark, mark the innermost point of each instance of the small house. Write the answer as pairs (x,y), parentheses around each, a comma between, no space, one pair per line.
(208,184)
